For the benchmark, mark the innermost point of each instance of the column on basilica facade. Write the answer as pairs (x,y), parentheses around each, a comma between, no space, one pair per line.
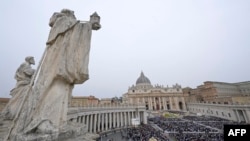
(176,103)
(164,103)
(128,118)
(171,103)
(151,101)
(160,102)
(141,116)
(154,103)
(184,104)
(145,121)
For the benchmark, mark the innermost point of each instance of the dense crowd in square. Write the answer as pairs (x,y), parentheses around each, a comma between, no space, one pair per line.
(144,133)
(186,128)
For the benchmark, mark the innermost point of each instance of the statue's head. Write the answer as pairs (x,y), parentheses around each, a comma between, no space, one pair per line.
(64,12)
(68,13)
(30,60)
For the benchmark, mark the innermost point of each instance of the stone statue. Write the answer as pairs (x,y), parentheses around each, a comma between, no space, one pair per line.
(43,115)
(23,77)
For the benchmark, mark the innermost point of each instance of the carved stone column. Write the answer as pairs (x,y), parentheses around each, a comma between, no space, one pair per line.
(145,118)
(150,103)
(129,118)
(95,121)
(122,120)
(87,122)
(184,104)
(102,117)
(110,120)
(83,119)
(164,103)
(106,121)
(236,115)
(176,103)
(121,124)
(99,122)
(118,119)
(91,123)
(170,103)
(125,116)
(246,116)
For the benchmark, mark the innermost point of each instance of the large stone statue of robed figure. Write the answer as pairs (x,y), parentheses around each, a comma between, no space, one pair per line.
(64,64)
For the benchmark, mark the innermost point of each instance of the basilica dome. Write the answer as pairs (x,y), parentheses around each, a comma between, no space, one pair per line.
(143,80)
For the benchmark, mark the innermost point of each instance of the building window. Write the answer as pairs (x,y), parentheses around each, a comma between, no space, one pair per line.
(229,114)
(216,112)
(168,107)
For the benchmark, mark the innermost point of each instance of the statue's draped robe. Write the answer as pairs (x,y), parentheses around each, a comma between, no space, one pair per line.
(65,64)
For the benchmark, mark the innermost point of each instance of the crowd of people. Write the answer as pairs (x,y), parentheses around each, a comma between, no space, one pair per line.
(187,128)
(144,133)
(197,136)
(180,126)
(193,128)
(213,122)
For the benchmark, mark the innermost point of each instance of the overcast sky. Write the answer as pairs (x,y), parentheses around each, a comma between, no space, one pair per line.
(171,41)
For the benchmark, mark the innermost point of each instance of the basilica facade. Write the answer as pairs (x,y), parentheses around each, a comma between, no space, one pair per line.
(157,97)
